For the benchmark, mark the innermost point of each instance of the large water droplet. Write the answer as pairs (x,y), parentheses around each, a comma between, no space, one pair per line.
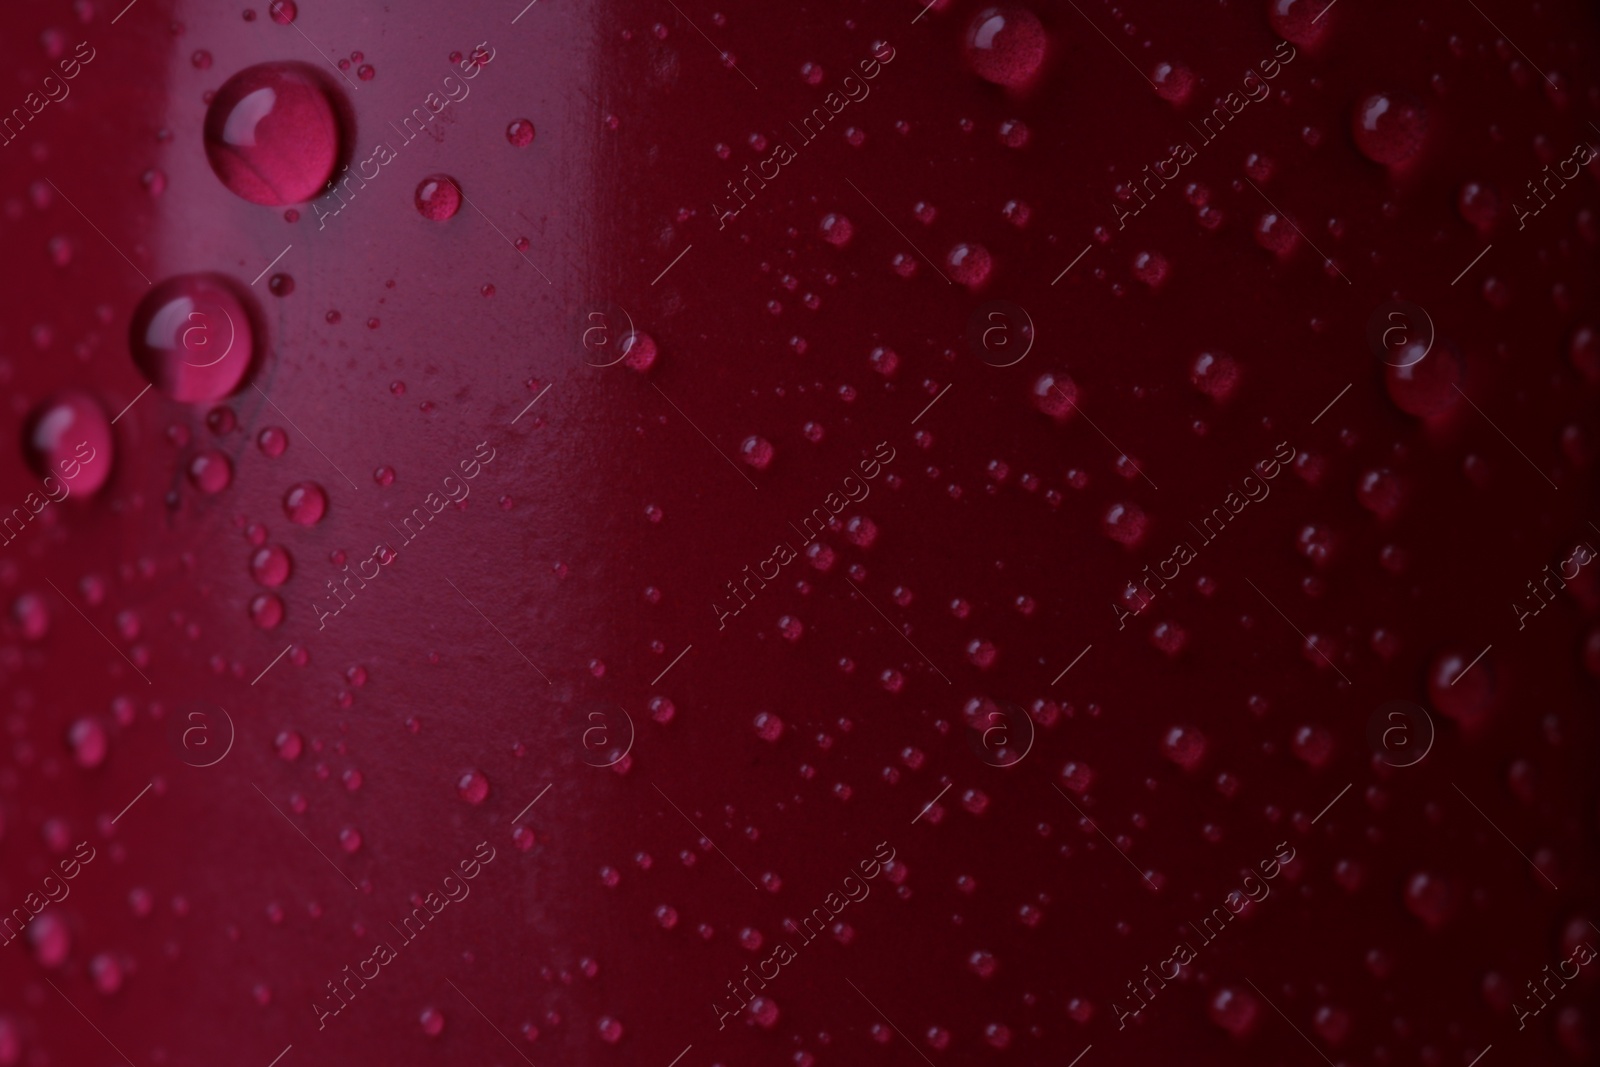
(193,337)
(1005,44)
(271,133)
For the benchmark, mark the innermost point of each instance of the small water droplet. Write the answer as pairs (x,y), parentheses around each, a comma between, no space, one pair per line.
(305,503)
(473,787)
(272,441)
(211,471)
(68,437)
(438,197)
(757,452)
(520,132)
(90,742)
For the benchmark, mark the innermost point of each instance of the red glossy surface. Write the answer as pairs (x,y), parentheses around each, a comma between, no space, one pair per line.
(788,247)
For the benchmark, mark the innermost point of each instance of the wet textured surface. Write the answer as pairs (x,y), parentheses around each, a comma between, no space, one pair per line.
(883,533)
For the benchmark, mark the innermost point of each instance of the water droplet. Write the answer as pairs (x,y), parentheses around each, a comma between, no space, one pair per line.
(757,452)
(837,229)
(1056,395)
(438,197)
(432,1020)
(1005,44)
(1276,234)
(1014,133)
(1077,777)
(641,350)
(221,421)
(266,610)
(768,726)
(1215,375)
(1151,268)
(1300,21)
(271,133)
(289,745)
(1463,694)
(305,503)
(1126,524)
(1173,81)
(1313,745)
(1478,205)
(89,742)
(50,939)
(270,566)
(193,337)
(68,437)
(1432,899)
(272,441)
(610,1029)
(283,12)
(764,1012)
(970,265)
(1235,1010)
(1389,128)
(1184,746)
(280,285)
(473,787)
(1380,492)
(211,471)
(1428,386)
(106,972)
(520,132)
